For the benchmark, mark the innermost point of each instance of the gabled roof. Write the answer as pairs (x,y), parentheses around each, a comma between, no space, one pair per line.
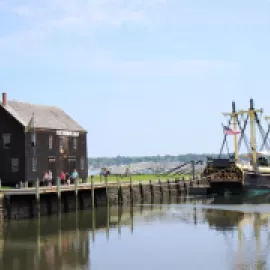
(47,117)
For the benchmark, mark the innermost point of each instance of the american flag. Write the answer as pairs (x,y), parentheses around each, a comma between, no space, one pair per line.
(229,131)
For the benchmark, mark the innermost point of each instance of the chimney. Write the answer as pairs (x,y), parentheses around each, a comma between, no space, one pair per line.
(4,99)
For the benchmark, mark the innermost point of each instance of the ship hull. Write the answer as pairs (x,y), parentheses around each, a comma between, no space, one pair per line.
(256,182)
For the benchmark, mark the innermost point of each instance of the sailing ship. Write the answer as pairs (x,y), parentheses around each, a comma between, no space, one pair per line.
(250,171)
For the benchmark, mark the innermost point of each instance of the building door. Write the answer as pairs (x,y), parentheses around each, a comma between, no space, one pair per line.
(52,166)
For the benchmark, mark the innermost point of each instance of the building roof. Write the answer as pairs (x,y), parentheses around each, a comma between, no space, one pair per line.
(47,117)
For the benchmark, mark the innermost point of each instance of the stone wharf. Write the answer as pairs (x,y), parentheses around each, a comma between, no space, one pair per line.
(27,203)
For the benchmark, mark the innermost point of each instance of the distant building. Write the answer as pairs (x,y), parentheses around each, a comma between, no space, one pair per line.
(38,138)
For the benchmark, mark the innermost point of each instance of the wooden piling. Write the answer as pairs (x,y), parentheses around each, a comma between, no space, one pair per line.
(118,189)
(141,190)
(37,190)
(160,187)
(36,203)
(59,187)
(193,169)
(131,188)
(169,187)
(151,191)
(76,195)
(107,190)
(92,193)
(76,187)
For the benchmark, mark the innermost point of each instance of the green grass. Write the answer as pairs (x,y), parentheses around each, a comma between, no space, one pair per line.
(139,177)
(5,187)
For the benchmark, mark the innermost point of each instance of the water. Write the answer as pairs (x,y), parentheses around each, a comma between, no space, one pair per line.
(206,233)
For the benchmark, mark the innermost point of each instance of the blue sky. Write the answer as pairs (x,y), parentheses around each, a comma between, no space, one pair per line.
(143,77)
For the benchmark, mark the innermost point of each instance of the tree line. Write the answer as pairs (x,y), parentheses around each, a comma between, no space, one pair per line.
(99,162)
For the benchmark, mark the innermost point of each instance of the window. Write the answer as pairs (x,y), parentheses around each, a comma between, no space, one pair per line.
(6,140)
(61,145)
(34,164)
(74,142)
(50,141)
(82,161)
(14,165)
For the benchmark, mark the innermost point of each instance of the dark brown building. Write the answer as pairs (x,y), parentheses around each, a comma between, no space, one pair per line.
(55,141)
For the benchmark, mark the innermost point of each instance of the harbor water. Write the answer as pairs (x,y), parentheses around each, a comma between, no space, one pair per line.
(196,233)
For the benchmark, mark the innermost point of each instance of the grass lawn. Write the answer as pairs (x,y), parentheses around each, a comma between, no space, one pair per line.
(5,187)
(139,177)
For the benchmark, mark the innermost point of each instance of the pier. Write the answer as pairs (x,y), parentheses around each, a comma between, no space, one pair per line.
(24,203)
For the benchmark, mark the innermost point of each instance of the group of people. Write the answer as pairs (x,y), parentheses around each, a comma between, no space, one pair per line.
(66,178)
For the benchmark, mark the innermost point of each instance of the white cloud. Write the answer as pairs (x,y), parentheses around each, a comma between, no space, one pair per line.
(74,19)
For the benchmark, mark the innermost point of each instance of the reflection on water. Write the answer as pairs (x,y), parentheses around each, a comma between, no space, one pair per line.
(210,233)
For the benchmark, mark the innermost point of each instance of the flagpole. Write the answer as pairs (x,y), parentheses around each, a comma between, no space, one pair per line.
(234,117)
(34,140)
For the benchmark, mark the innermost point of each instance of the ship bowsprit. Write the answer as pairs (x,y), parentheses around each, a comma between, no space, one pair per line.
(223,176)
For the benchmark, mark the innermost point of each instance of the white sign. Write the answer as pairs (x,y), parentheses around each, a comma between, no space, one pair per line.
(67,133)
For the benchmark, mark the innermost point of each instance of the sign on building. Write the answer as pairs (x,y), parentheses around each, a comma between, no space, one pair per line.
(67,133)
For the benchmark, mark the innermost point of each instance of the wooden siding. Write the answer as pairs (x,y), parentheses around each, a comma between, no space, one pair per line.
(16,150)
(44,153)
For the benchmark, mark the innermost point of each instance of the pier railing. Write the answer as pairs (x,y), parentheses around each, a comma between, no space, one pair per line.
(189,182)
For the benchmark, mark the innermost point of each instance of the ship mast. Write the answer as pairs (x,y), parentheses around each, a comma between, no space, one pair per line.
(233,115)
(252,117)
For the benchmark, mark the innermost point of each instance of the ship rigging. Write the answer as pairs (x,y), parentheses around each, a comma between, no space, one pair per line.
(233,172)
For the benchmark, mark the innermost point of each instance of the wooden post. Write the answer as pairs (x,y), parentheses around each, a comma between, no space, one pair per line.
(160,187)
(76,187)
(76,195)
(92,193)
(151,191)
(107,190)
(130,181)
(37,202)
(131,188)
(37,190)
(118,188)
(58,187)
(193,169)
(168,184)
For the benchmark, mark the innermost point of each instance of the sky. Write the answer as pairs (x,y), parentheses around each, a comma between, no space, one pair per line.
(143,77)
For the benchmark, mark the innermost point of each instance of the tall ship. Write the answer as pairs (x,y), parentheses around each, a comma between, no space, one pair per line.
(241,172)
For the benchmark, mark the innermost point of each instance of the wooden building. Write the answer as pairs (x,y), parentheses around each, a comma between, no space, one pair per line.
(38,138)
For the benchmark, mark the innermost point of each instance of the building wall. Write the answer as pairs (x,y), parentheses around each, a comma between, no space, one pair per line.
(12,161)
(49,156)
